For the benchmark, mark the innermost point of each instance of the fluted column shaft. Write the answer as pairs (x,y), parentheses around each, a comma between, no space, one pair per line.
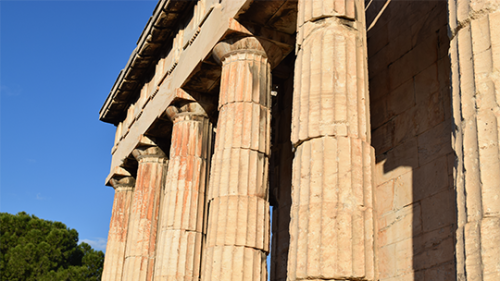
(118,228)
(238,214)
(331,229)
(181,226)
(141,240)
(475,81)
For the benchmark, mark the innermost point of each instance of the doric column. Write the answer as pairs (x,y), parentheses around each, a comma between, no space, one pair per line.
(123,183)
(141,240)
(238,207)
(331,228)
(475,81)
(181,226)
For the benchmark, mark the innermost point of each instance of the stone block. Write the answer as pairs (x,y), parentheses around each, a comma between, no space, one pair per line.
(397,161)
(328,171)
(238,172)
(378,62)
(429,113)
(328,99)
(401,70)
(386,261)
(183,209)
(438,254)
(424,54)
(430,239)
(228,263)
(379,85)
(181,256)
(398,23)
(378,38)
(429,21)
(426,83)
(430,178)
(413,276)
(438,210)
(489,247)
(435,143)
(379,114)
(248,127)
(317,9)
(404,223)
(404,257)
(442,272)
(384,196)
(239,221)
(402,98)
(405,126)
(245,67)
(419,10)
(382,139)
(137,268)
(398,46)
(403,190)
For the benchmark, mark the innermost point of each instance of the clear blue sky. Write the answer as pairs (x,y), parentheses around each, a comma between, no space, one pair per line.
(58,62)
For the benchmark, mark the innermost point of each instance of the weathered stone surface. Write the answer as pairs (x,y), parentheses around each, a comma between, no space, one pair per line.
(414,200)
(329,199)
(238,214)
(433,212)
(475,56)
(317,9)
(234,263)
(335,103)
(141,239)
(331,228)
(118,227)
(181,220)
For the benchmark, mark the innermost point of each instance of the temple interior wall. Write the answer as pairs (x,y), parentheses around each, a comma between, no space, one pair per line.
(411,132)
(280,173)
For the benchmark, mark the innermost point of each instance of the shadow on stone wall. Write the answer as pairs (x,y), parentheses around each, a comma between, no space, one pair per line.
(411,132)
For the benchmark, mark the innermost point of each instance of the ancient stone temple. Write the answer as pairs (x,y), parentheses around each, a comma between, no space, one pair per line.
(323,139)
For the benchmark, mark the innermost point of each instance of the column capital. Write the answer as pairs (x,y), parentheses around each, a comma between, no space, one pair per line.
(122,178)
(190,110)
(148,148)
(250,44)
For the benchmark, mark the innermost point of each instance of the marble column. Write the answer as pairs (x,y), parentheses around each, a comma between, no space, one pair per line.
(475,83)
(183,204)
(123,183)
(238,207)
(141,240)
(331,228)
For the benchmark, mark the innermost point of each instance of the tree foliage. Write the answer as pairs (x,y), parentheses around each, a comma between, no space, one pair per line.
(41,250)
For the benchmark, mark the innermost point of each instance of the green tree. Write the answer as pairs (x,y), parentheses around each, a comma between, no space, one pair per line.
(41,250)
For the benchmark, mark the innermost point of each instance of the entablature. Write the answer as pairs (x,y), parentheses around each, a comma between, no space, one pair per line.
(182,64)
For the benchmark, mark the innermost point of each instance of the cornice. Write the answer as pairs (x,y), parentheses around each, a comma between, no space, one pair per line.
(158,30)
